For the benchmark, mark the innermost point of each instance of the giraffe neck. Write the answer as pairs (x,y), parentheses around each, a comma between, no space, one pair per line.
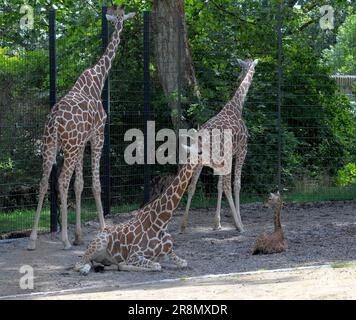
(239,97)
(277,215)
(105,62)
(168,201)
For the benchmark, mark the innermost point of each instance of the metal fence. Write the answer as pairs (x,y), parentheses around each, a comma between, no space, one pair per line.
(284,113)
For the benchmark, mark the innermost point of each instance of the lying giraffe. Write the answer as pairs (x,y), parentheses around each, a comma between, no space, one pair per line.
(272,242)
(140,243)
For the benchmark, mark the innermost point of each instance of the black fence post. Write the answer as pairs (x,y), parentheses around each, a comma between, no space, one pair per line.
(54,211)
(179,69)
(146,98)
(279,97)
(106,104)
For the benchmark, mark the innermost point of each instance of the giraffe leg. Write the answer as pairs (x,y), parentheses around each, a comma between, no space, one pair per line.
(49,158)
(139,263)
(78,189)
(191,191)
(97,143)
(168,254)
(43,190)
(217,224)
(96,252)
(228,193)
(237,185)
(70,161)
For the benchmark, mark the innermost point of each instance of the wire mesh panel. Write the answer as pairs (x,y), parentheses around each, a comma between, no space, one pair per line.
(126,105)
(318,118)
(23,109)
(179,71)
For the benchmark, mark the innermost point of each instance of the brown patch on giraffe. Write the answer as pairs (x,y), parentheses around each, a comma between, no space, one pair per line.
(167,248)
(129,237)
(169,205)
(158,251)
(152,244)
(169,192)
(65,135)
(144,240)
(67,115)
(146,223)
(138,229)
(165,215)
(70,125)
(110,241)
(124,252)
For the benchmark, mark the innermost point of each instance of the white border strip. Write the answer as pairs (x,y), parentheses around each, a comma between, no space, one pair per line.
(125,286)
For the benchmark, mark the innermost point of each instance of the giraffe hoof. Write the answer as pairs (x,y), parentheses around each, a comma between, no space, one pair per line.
(67,245)
(218,227)
(31,245)
(84,271)
(156,267)
(183,264)
(78,242)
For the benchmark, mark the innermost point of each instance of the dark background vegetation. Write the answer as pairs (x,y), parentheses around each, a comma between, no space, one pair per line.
(318,119)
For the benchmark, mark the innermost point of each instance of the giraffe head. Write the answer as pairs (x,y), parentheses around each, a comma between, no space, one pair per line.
(212,148)
(247,64)
(116,15)
(273,200)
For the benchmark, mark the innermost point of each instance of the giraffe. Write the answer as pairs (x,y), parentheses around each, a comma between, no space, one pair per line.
(229,117)
(273,242)
(143,242)
(78,118)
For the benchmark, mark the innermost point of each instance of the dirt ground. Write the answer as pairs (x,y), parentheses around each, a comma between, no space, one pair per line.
(317,234)
(320,283)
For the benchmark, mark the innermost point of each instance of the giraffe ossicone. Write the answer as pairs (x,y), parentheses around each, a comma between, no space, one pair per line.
(78,118)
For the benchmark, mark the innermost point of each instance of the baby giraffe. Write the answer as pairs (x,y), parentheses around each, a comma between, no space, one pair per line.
(273,242)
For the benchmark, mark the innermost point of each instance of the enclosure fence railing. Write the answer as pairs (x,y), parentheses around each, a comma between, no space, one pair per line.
(288,135)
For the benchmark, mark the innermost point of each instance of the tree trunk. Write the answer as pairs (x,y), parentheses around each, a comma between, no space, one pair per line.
(174,66)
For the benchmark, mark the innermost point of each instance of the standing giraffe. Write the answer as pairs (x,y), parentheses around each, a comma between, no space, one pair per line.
(77,118)
(140,243)
(229,117)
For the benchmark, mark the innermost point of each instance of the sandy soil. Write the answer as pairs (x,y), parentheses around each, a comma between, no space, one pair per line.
(320,283)
(317,234)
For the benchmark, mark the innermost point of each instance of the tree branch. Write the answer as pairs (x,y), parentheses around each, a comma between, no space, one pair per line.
(221,8)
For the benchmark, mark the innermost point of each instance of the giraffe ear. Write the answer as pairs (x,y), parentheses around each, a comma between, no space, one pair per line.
(109,17)
(129,16)
(255,62)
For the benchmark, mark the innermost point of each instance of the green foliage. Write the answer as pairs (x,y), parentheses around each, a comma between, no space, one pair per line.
(347,175)
(341,56)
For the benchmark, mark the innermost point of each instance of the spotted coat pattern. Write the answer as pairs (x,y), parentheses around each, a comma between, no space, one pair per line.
(230,117)
(78,118)
(143,242)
